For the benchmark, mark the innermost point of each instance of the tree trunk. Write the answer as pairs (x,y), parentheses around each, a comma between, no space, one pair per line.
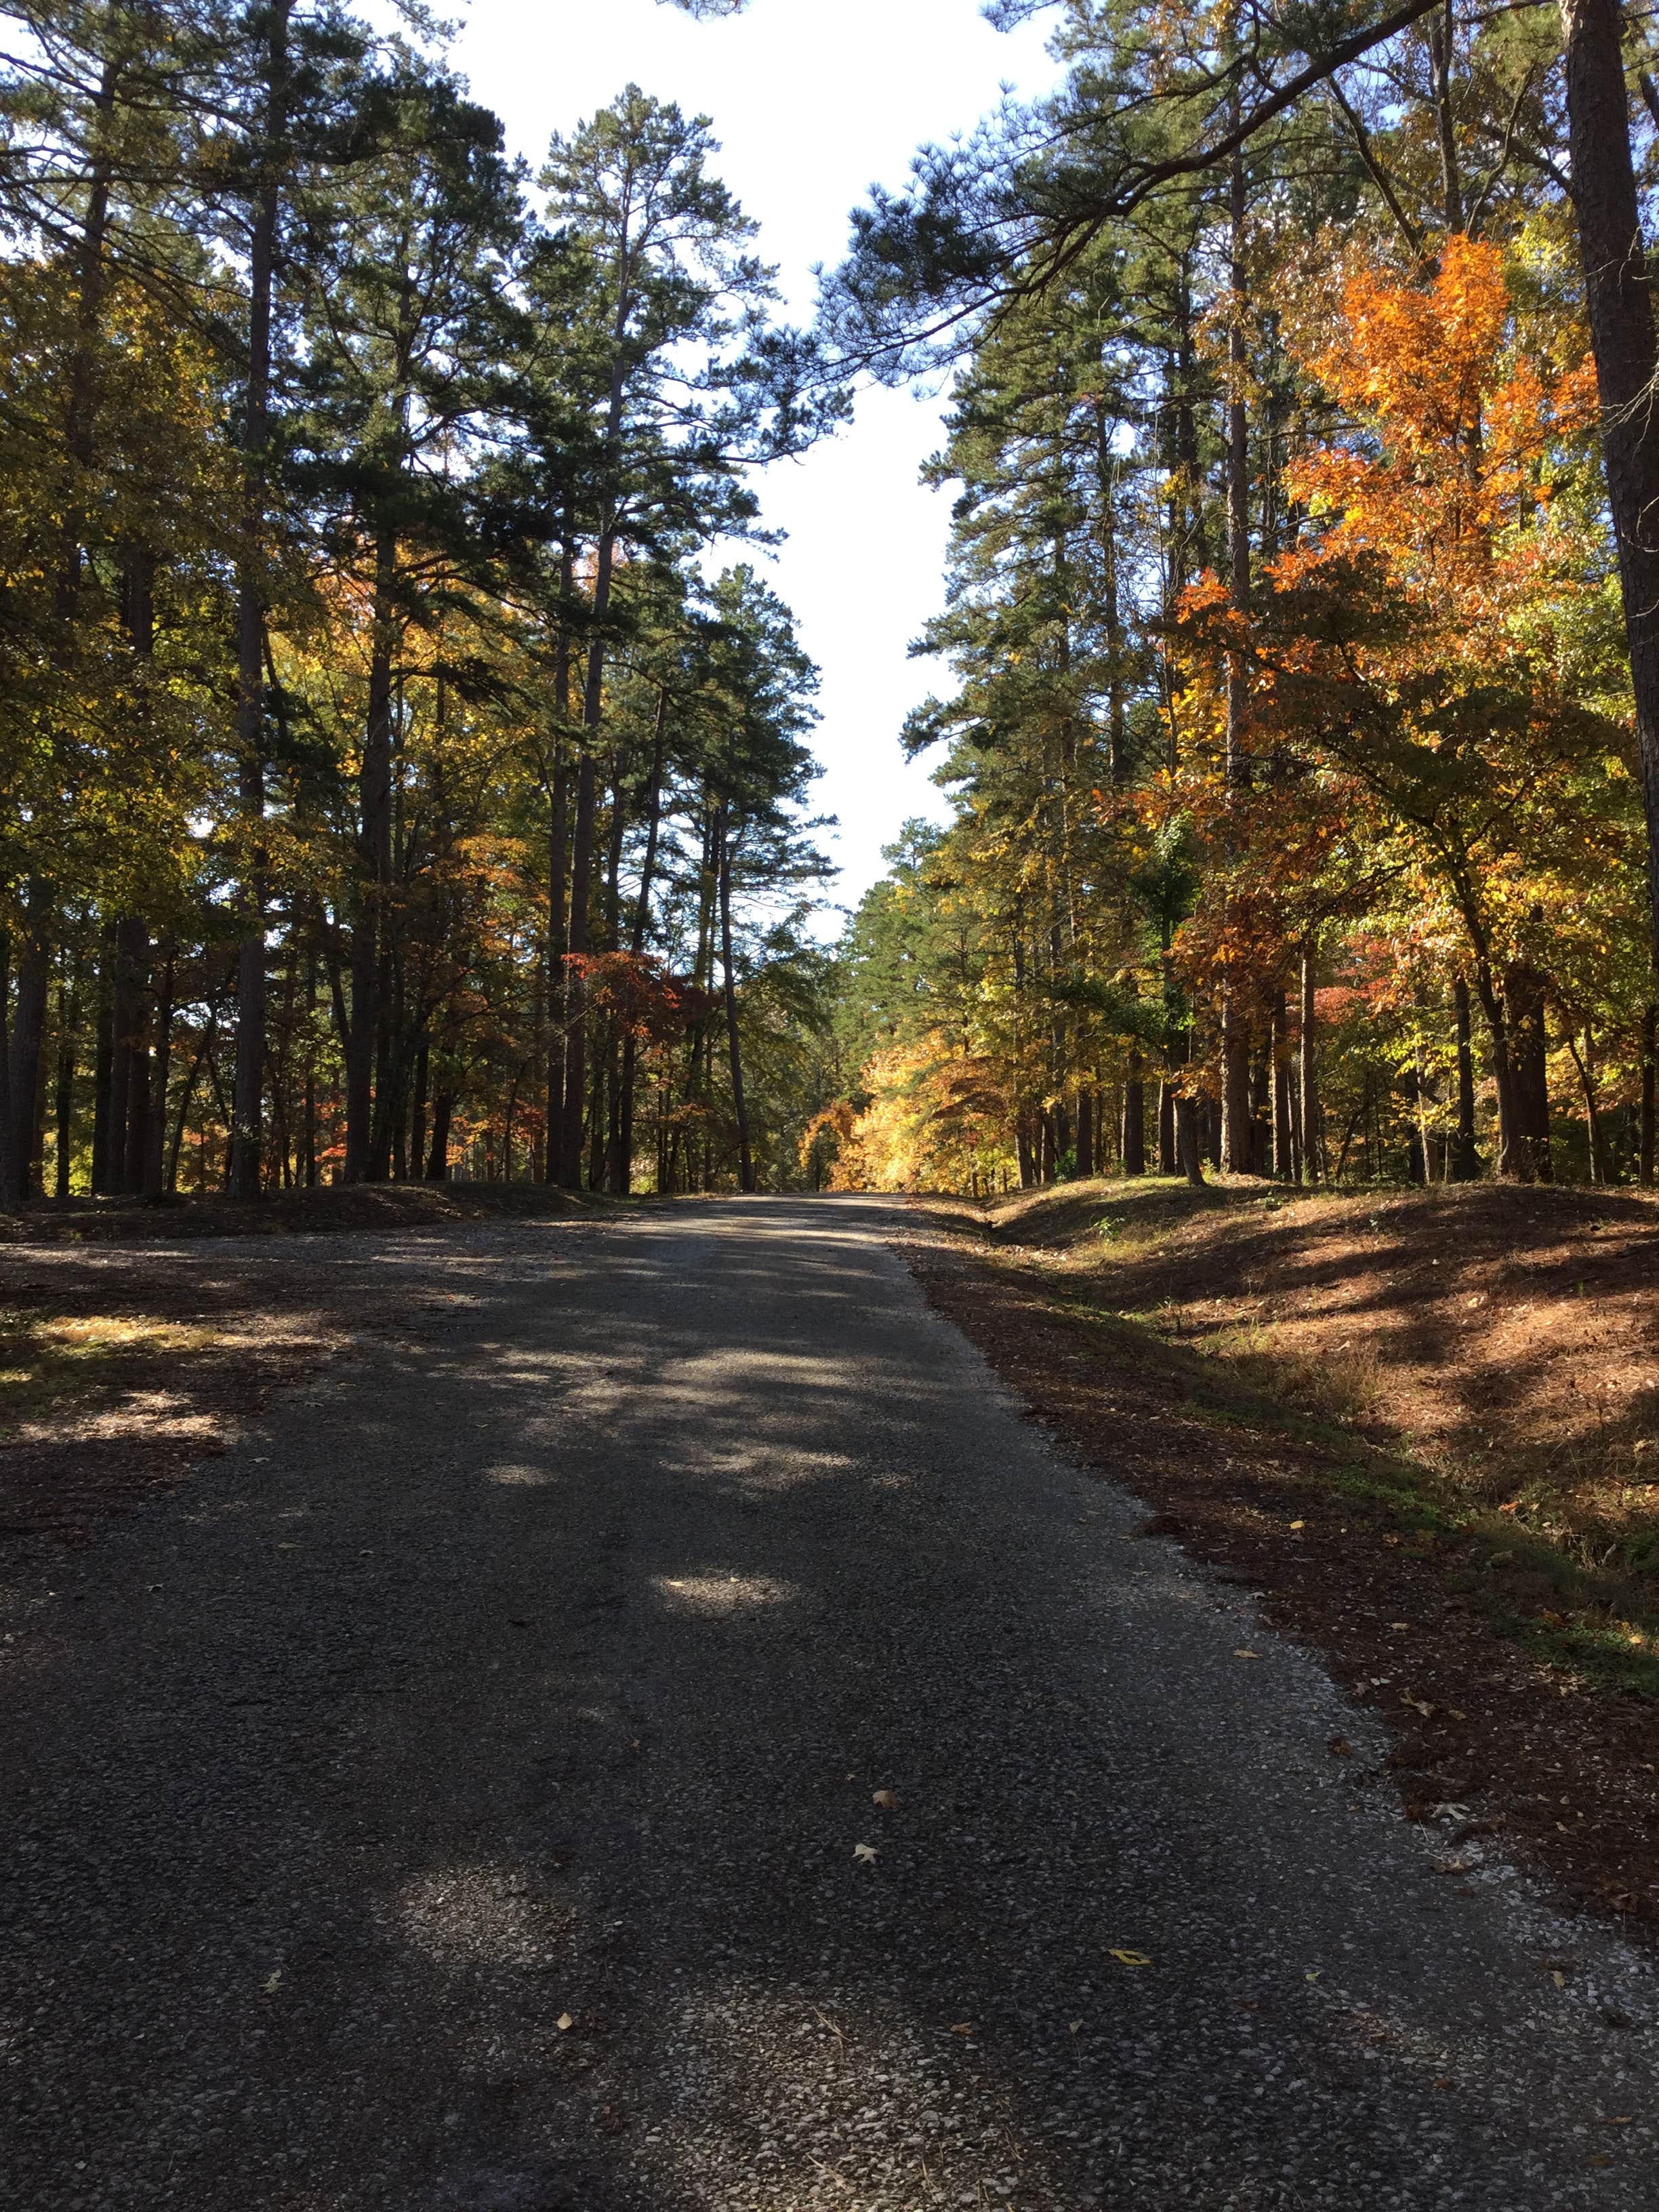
(740,1111)
(1309,1074)
(1237,1121)
(575,1060)
(1514,1153)
(131,945)
(1168,1152)
(247,1119)
(373,880)
(1622,336)
(1650,1056)
(1134,1119)
(437,1164)
(22,1137)
(558,944)
(418,1109)
(153,1178)
(558,863)
(1464,1164)
(1187,1137)
(1283,1135)
(138,1089)
(69,1016)
(1584,1062)
(641,927)
(1528,1046)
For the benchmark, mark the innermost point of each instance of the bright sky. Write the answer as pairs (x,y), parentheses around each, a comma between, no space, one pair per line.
(812,99)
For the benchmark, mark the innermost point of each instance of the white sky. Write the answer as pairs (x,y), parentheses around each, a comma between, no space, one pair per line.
(812,99)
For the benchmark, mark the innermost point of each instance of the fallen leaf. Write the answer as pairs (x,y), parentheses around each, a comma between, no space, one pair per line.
(1130,1958)
(1448,1811)
(1398,1624)
(274,1981)
(1339,1747)
(1072,2027)
(565,2023)
(1313,1973)
(866,1853)
(1559,1978)
(1514,1506)
(1299,1524)
(1247,1653)
(1600,2158)
(886,1800)
(1618,2120)
(962,2027)
(1418,1704)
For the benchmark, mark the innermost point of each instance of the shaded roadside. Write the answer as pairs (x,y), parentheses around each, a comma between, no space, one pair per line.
(136,1337)
(1430,1604)
(331,1209)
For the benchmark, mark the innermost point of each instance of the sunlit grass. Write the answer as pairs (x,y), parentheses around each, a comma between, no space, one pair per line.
(55,1365)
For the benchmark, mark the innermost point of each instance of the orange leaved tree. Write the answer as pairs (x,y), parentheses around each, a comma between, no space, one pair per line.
(1431,648)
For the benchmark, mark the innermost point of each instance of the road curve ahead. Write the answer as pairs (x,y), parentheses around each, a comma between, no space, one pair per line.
(462,1797)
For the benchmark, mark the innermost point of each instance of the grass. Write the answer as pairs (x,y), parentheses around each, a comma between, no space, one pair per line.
(54,1364)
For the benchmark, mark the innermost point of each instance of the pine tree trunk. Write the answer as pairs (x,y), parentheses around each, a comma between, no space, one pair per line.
(373,881)
(1465,1162)
(1134,1119)
(581,892)
(558,840)
(558,862)
(103,1056)
(1238,1153)
(69,1016)
(153,1182)
(1310,1084)
(437,1164)
(641,928)
(1528,1046)
(247,1119)
(1169,1162)
(740,1108)
(1650,1056)
(1187,1141)
(131,943)
(1604,199)
(1284,1138)
(29,1030)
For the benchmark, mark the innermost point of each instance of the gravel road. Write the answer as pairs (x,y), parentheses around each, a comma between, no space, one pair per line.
(452,1801)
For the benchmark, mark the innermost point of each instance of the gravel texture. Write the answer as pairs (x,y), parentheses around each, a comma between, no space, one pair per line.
(451,1800)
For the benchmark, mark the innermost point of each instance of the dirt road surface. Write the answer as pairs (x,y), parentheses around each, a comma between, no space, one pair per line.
(462,1797)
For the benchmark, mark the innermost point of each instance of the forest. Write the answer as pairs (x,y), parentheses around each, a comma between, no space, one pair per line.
(1302,793)
(407,766)
(405,759)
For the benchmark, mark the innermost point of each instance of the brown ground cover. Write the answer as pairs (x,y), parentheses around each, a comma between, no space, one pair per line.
(1423,1425)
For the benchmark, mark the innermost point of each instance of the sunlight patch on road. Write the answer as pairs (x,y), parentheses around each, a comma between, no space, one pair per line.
(706,1594)
(463,1916)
